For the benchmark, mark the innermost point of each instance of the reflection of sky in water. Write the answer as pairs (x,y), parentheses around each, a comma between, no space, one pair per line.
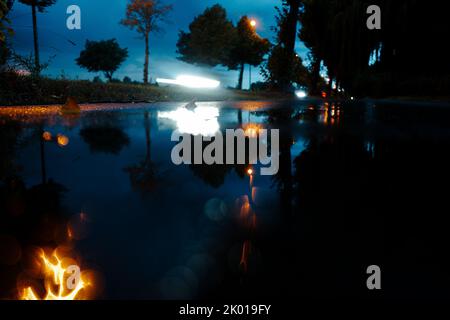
(179,240)
(172,233)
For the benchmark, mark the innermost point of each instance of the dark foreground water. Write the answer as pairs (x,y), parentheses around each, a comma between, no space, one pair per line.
(359,184)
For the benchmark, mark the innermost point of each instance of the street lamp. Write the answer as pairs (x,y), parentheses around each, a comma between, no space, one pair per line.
(253,23)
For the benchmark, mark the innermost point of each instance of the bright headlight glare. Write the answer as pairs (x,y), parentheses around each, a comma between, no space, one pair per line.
(300,94)
(191,82)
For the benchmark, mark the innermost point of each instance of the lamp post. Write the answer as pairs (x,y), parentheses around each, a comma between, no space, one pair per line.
(253,25)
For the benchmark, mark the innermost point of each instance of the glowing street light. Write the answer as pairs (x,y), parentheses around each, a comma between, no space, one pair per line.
(62,140)
(253,23)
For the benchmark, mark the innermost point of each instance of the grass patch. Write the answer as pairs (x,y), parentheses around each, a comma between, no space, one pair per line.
(25,90)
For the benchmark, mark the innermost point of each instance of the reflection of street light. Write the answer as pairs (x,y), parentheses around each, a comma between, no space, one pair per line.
(47,136)
(250,175)
(62,140)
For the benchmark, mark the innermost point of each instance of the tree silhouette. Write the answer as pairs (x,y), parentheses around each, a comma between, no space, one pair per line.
(337,36)
(37,5)
(145,17)
(213,40)
(5,30)
(105,56)
(274,71)
(210,39)
(248,48)
(143,175)
(10,133)
(287,21)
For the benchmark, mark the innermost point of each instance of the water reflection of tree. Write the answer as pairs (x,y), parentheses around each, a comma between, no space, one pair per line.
(104,134)
(22,208)
(333,162)
(29,217)
(282,119)
(332,192)
(215,174)
(143,176)
(9,139)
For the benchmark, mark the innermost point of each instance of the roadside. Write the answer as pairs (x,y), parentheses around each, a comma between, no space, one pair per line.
(16,91)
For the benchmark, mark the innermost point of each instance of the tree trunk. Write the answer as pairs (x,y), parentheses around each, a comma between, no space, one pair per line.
(147,54)
(315,77)
(241,76)
(36,43)
(292,19)
(291,36)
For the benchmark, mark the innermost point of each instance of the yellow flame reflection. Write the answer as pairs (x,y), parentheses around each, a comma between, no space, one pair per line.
(58,274)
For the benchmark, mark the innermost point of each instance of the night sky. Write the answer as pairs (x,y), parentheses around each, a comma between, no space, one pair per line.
(100,20)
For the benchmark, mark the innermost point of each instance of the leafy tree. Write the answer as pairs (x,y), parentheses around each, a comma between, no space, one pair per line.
(287,31)
(210,39)
(275,73)
(27,64)
(4,53)
(248,48)
(145,17)
(403,24)
(315,20)
(37,5)
(5,30)
(102,56)
(213,40)
(289,27)
(337,36)
(5,6)
(144,176)
(127,79)
(282,65)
